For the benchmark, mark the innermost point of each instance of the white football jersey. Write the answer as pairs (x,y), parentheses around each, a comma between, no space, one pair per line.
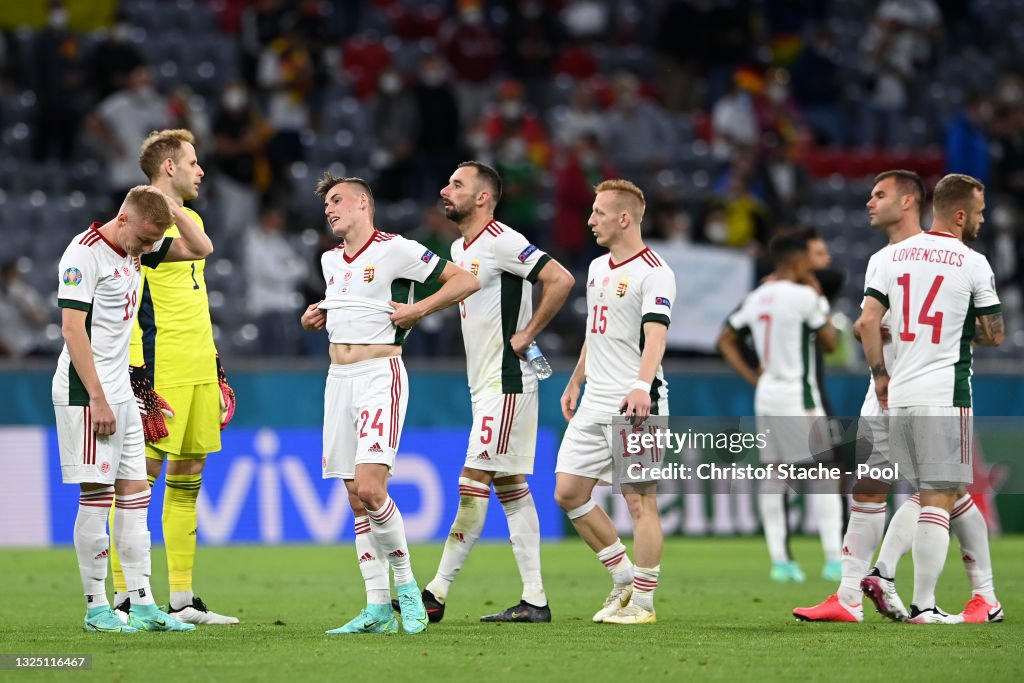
(507,265)
(621,297)
(359,288)
(934,287)
(782,317)
(101,279)
(871,405)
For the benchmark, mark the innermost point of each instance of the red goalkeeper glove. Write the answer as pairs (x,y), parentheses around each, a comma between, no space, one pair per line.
(227,396)
(152,407)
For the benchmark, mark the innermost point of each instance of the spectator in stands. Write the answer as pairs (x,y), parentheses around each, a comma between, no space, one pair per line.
(521,178)
(114,58)
(817,88)
(582,168)
(285,72)
(737,218)
(531,38)
(887,57)
(734,124)
(512,117)
(22,315)
(789,182)
(121,122)
(241,136)
(581,118)
(273,273)
(60,84)
(967,143)
(641,138)
(474,53)
(261,23)
(438,135)
(395,122)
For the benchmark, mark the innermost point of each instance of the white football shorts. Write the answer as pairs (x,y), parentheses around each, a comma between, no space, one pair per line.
(86,458)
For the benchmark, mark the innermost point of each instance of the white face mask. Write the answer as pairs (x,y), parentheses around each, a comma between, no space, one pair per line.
(121,32)
(715,231)
(432,77)
(511,110)
(235,99)
(59,19)
(390,83)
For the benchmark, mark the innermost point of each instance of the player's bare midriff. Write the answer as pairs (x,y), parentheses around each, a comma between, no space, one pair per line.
(345,354)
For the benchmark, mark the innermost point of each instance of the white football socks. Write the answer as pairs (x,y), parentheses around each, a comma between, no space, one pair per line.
(524,532)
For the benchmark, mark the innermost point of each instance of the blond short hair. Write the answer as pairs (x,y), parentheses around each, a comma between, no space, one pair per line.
(160,145)
(151,206)
(629,197)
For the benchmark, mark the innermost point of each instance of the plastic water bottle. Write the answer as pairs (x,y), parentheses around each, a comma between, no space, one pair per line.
(537,361)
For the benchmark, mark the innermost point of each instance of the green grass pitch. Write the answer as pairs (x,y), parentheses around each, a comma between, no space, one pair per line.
(719,617)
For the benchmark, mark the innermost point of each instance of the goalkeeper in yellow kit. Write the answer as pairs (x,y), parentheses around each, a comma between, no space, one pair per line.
(176,373)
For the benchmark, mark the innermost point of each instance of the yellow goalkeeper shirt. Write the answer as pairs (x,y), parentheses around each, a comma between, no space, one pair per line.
(173,334)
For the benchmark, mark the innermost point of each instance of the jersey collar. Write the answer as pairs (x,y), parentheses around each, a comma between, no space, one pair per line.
(492,227)
(942,234)
(95,227)
(613,265)
(373,238)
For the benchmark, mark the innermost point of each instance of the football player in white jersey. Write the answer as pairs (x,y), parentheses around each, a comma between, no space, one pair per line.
(894,206)
(368,311)
(498,324)
(99,428)
(783,315)
(629,302)
(940,294)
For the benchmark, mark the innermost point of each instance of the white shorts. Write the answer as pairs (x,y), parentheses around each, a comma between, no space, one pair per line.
(586,449)
(936,442)
(364,410)
(86,458)
(799,437)
(504,436)
(873,434)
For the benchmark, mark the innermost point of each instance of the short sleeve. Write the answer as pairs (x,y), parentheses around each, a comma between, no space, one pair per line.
(816,309)
(869,273)
(78,275)
(657,293)
(514,254)
(159,253)
(739,319)
(417,262)
(875,281)
(983,287)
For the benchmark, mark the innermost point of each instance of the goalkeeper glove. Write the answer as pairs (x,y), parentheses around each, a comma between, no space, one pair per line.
(227,396)
(152,407)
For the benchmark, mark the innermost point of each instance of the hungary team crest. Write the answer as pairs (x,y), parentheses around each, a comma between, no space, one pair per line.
(369,272)
(620,289)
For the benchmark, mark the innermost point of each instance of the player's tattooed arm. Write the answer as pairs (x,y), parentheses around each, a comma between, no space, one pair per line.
(990,331)
(878,370)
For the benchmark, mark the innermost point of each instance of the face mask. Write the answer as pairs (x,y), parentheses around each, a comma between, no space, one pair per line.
(235,99)
(511,110)
(432,77)
(59,19)
(390,83)
(715,231)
